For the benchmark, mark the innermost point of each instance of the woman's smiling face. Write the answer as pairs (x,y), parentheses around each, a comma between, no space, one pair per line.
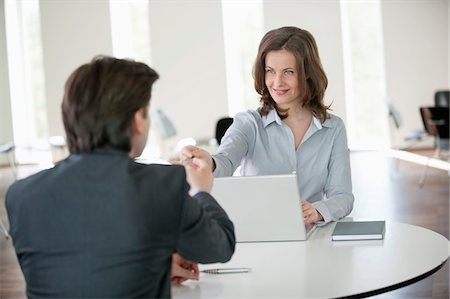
(281,78)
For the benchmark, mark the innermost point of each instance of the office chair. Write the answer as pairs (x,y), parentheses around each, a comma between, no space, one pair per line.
(166,131)
(441,98)
(414,135)
(8,149)
(3,229)
(436,123)
(222,126)
(410,139)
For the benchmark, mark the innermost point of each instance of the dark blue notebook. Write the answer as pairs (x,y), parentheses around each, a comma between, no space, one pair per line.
(358,230)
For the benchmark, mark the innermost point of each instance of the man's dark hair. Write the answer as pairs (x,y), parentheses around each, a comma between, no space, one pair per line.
(100,100)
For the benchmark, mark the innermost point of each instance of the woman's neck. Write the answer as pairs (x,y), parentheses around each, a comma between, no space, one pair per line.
(297,113)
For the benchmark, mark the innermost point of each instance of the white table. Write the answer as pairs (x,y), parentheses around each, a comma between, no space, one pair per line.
(320,268)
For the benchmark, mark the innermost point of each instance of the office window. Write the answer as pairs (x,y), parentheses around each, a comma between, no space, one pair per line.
(130,28)
(26,79)
(367,123)
(130,31)
(243,29)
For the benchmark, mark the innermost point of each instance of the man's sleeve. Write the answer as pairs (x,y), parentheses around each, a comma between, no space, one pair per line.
(207,234)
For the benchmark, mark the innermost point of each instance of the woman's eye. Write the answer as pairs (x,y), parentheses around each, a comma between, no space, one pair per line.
(269,71)
(288,72)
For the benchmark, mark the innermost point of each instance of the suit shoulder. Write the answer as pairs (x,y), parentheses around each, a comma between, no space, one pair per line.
(27,184)
(161,172)
(169,169)
(35,178)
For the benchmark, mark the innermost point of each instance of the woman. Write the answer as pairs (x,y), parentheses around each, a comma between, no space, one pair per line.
(292,131)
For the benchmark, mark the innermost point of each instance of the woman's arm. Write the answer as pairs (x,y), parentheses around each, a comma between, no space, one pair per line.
(339,198)
(238,140)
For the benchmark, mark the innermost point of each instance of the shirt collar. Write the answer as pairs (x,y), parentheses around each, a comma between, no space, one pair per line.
(273,116)
(327,123)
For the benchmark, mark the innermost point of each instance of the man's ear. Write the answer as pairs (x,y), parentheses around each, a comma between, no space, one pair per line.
(139,122)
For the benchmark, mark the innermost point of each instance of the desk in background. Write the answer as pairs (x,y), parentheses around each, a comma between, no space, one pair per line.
(320,268)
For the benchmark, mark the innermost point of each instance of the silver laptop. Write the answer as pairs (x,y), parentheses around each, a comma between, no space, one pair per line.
(263,208)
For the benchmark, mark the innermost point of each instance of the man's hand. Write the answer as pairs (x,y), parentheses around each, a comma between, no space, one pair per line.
(183,270)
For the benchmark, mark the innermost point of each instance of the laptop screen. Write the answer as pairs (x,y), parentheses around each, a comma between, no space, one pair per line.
(262,208)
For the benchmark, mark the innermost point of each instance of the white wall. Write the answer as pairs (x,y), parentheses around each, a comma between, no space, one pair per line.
(6,133)
(322,20)
(187,49)
(72,33)
(416,40)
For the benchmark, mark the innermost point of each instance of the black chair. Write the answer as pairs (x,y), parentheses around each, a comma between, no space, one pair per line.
(222,126)
(436,123)
(441,98)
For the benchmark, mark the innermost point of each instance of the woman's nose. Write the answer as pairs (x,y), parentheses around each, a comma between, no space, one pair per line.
(278,80)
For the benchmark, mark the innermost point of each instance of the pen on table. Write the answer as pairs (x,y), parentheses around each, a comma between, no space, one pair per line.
(226,270)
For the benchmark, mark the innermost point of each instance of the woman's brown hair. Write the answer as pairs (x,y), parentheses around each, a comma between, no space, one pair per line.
(311,76)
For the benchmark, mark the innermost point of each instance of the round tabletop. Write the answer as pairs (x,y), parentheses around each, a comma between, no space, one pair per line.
(321,268)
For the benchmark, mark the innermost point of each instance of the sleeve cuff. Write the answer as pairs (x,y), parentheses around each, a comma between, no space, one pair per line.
(323,210)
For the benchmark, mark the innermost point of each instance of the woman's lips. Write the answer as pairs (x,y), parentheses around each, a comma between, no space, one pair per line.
(279,92)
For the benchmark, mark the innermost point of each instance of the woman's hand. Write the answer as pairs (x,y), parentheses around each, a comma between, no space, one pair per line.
(310,214)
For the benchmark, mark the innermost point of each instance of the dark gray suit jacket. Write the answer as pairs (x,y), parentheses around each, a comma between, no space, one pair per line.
(101,225)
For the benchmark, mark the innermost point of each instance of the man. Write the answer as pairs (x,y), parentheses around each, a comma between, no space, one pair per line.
(99,224)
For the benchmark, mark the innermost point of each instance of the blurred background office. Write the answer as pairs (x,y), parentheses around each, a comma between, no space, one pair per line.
(376,54)
(385,59)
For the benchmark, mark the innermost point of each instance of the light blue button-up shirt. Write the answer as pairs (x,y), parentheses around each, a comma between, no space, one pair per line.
(264,145)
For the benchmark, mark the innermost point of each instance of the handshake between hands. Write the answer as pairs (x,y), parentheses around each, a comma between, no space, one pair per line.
(200,178)
(198,164)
